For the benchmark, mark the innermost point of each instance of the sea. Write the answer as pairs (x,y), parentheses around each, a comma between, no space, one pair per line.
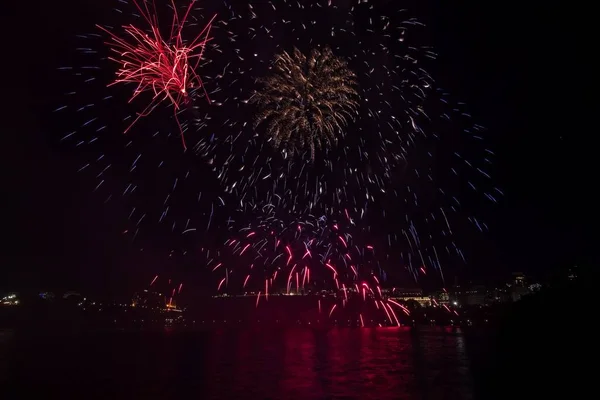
(246,363)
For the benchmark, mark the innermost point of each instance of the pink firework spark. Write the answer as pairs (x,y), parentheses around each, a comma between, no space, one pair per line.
(164,66)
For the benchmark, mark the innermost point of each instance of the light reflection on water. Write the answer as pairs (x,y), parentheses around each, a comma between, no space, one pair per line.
(341,363)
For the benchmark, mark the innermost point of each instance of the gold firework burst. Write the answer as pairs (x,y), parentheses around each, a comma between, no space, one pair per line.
(307,101)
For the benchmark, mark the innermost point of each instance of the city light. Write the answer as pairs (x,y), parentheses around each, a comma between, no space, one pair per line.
(10,300)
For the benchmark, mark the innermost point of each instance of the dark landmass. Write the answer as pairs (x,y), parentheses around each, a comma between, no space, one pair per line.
(539,347)
(36,314)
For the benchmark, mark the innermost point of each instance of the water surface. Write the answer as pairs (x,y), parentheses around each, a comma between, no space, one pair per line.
(341,363)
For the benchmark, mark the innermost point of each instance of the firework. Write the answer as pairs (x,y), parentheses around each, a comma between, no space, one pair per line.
(164,66)
(380,104)
(307,100)
(303,249)
(305,255)
(404,158)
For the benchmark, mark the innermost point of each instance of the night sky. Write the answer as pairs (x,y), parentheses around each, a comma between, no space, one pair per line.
(509,64)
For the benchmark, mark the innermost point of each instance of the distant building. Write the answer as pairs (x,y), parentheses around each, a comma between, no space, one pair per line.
(469,295)
(443,297)
(403,292)
(406,295)
(10,300)
(476,296)
(148,299)
(154,301)
(518,286)
(499,295)
(519,279)
(457,295)
(517,292)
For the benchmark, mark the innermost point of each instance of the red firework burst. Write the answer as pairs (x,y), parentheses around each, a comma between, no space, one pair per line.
(164,66)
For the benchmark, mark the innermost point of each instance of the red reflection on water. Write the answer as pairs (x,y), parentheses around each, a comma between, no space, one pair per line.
(374,363)
(300,377)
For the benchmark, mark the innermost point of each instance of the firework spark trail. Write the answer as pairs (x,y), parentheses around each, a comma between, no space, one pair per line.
(166,67)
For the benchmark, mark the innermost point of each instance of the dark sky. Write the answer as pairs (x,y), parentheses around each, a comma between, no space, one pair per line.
(512,66)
